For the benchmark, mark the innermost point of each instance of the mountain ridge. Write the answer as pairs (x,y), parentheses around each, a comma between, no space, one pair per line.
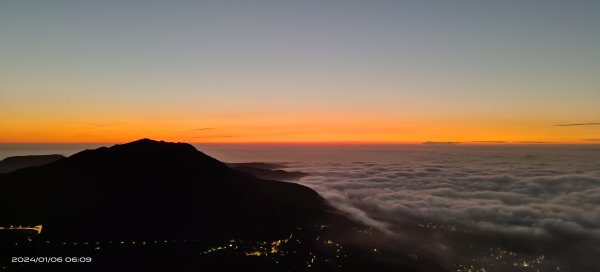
(158,206)
(14,163)
(155,183)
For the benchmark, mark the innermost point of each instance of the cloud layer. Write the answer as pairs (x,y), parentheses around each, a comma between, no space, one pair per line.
(536,198)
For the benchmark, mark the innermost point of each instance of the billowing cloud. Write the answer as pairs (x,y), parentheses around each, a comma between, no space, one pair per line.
(535,200)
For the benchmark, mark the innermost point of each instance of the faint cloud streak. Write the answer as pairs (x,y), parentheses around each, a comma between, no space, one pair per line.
(577,124)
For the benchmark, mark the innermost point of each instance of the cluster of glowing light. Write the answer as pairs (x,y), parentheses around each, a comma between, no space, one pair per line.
(503,258)
(36,228)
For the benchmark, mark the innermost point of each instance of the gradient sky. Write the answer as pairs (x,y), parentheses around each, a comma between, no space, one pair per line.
(299,71)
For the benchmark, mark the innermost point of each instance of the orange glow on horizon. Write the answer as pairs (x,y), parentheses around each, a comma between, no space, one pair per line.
(274,135)
(316,128)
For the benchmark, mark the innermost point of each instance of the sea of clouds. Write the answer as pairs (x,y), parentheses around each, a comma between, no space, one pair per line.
(543,201)
(472,208)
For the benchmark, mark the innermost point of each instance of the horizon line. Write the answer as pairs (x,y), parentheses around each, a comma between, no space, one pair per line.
(423,143)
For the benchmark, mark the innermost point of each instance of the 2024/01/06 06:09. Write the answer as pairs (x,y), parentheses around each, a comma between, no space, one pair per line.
(51,259)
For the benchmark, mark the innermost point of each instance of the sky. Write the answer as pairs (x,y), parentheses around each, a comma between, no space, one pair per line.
(300,71)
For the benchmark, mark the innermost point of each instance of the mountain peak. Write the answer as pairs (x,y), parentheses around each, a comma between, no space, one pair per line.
(147,153)
(146,143)
(143,187)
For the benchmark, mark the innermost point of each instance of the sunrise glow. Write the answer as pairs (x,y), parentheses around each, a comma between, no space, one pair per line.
(199,72)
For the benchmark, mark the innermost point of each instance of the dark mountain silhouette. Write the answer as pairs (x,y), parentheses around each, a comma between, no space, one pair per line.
(158,206)
(17,162)
(267,170)
(147,189)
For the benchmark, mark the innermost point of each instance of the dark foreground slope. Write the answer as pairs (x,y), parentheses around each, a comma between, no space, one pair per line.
(157,206)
